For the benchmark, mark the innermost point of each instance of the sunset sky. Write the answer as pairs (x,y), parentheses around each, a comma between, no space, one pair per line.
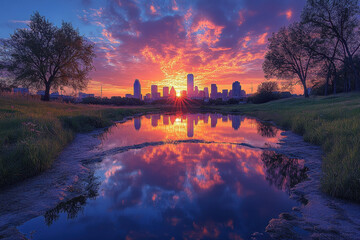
(161,41)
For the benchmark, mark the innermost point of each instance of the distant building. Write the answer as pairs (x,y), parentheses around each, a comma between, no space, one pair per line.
(224,95)
(40,93)
(196,92)
(214,92)
(172,92)
(154,92)
(21,90)
(184,94)
(201,94)
(129,95)
(81,95)
(236,90)
(56,95)
(137,89)
(147,97)
(190,85)
(165,92)
(206,92)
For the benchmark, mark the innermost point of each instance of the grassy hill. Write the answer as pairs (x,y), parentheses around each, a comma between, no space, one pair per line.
(33,133)
(332,122)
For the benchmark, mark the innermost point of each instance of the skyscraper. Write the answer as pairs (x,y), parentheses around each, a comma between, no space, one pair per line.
(172,92)
(236,90)
(137,89)
(165,92)
(196,93)
(224,94)
(206,92)
(154,91)
(214,91)
(190,85)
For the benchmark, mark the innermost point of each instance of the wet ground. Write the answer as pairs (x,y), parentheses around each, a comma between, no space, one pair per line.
(187,176)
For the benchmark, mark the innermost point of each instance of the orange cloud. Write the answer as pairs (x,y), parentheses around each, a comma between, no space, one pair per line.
(262,39)
(152,9)
(288,13)
(207,32)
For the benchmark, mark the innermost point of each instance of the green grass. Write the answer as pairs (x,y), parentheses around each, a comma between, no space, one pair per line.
(33,133)
(332,122)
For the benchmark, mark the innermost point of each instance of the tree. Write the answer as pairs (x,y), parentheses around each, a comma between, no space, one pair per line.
(289,55)
(45,56)
(268,87)
(339,20)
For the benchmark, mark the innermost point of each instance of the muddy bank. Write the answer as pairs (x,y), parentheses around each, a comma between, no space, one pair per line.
(72,176)
(319,216)
(67,178)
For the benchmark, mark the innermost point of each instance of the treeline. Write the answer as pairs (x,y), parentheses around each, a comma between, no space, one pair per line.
(320,51)
(117,101)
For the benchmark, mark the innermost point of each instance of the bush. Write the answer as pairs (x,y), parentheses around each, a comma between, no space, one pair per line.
(264,97)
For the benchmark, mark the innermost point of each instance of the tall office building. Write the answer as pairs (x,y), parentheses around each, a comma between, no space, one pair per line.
(214,91)
(172,92)
(206,92)
(165,92)
(154,91)
(224,95)
(190,85)
(196,93)
(137,89)
(236,90)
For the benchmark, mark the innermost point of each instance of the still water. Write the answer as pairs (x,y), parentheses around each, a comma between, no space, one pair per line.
(187,176)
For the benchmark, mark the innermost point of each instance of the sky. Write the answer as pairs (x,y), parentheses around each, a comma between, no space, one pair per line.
(161,41)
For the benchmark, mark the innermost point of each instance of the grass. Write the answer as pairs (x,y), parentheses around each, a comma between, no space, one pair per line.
(332,122)
(33,133)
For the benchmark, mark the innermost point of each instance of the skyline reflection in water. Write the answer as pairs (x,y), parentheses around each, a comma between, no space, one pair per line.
(215,189)
(207,127)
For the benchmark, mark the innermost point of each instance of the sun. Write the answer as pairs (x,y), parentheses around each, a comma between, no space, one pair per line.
(178,94)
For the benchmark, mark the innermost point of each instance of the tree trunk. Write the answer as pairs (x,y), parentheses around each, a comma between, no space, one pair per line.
(47,93)
(306,94)
(327,82)
(356,74)
(335,79)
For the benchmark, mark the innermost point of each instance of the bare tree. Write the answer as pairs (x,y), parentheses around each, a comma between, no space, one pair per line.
(290,54)
(45,56)
(337,19)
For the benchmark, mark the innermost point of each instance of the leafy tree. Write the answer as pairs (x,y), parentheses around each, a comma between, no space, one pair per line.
(268,87)
(290,55)
(46,56)
(337,20)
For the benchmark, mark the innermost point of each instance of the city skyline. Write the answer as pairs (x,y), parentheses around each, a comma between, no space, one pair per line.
(218,41)
(192,91)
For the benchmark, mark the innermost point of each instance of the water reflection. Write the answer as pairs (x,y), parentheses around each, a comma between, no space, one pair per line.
(193,119)
(207,127)
(283,172)
(266,129)
(188,190)
(75,205)
(137,123)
